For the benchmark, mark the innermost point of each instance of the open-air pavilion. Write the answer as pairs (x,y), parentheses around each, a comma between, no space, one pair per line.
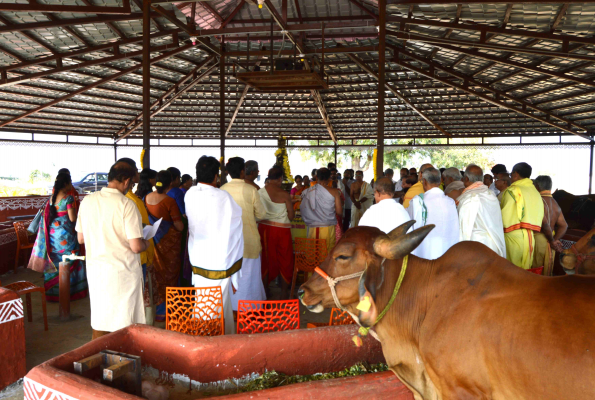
(325,74)
(178,70)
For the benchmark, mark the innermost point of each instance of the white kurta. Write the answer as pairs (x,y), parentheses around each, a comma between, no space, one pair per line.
(107,220)
(215,240)
(356,213)
(440,210)
(386,215)
(480,219)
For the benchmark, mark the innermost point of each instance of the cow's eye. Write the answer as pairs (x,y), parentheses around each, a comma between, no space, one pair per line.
(342,258)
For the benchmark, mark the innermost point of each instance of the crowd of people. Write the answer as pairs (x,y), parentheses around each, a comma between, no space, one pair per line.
(224,230)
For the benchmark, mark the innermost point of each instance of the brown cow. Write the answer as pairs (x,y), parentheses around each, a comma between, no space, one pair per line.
(583,256)
(469,325)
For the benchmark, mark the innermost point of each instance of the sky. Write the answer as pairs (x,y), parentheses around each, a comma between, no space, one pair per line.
(568,167)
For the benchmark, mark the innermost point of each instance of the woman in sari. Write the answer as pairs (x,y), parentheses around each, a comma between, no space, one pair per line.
(168,240)
(148,178)
(296,192)
(56,237)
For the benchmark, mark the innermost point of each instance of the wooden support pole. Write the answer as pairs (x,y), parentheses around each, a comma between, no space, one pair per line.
(146,161)
(381,83)
(336,151)
(591,167)
(222,100)
(272,65)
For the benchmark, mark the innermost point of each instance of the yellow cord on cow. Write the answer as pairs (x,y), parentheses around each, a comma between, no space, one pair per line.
(364,330)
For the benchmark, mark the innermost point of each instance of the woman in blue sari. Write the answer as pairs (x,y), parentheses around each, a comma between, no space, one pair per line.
(56,237)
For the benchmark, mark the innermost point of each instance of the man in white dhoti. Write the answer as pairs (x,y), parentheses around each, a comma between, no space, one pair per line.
(480,217)
(361,196)
(110,226)
(386,214)
(215,239)
(433,207)
(247,197)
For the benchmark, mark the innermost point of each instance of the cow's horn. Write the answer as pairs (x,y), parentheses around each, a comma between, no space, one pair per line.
(400,230)
(401,246)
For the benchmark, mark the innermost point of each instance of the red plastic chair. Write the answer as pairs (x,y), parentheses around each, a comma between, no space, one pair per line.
(538,271)
(338,317)
(22,242)
(309,254)
(196,311)
(268,316)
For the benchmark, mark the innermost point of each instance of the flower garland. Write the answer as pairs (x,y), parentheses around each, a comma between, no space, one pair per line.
(286,167)
(374,158)
(142,159)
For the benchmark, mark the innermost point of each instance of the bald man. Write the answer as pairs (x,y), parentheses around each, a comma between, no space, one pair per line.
(417,188)
(480,218)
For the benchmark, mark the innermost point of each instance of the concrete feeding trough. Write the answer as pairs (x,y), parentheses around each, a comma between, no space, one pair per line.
(201,361)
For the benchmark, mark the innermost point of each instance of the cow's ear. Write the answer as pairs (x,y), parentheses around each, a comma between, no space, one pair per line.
(367,304)
(399,247)
(400,230)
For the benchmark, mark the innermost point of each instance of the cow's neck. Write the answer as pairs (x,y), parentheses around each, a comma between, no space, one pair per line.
(399,330)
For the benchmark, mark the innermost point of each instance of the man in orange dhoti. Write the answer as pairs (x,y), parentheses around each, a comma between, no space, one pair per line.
(275,232)
(320,207)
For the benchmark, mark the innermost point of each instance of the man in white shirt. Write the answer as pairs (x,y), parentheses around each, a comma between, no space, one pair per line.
(386,214)
(433,207)
(497,169)
(215,239)
(247,197)
(480,217)
(110,226)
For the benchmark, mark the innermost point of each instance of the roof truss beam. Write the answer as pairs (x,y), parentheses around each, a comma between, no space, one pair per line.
(540,52)
(62,8)
(523,67)
(398,94)
(60,23)
(567,127)
(169,97)
(485,29)
(93,85)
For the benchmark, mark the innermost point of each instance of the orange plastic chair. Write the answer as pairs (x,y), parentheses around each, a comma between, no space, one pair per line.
(268,316)
(26,288)
(196,311)
(538,271)
(309,254)
(22,242)
(338,317)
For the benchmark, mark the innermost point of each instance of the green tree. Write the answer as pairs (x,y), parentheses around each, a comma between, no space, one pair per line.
(37,175)
(357,159)
(396,158)
(458,157)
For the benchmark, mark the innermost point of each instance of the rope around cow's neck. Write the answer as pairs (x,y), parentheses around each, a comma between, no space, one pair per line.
(363,331)
(332,282)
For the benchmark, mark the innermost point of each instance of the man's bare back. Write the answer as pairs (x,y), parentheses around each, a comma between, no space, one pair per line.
(337,195)
(280,196)
(556,221)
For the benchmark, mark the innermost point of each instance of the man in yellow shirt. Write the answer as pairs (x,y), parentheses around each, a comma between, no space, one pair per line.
(247,197)
(417,188)
(522,215)
(146,257)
